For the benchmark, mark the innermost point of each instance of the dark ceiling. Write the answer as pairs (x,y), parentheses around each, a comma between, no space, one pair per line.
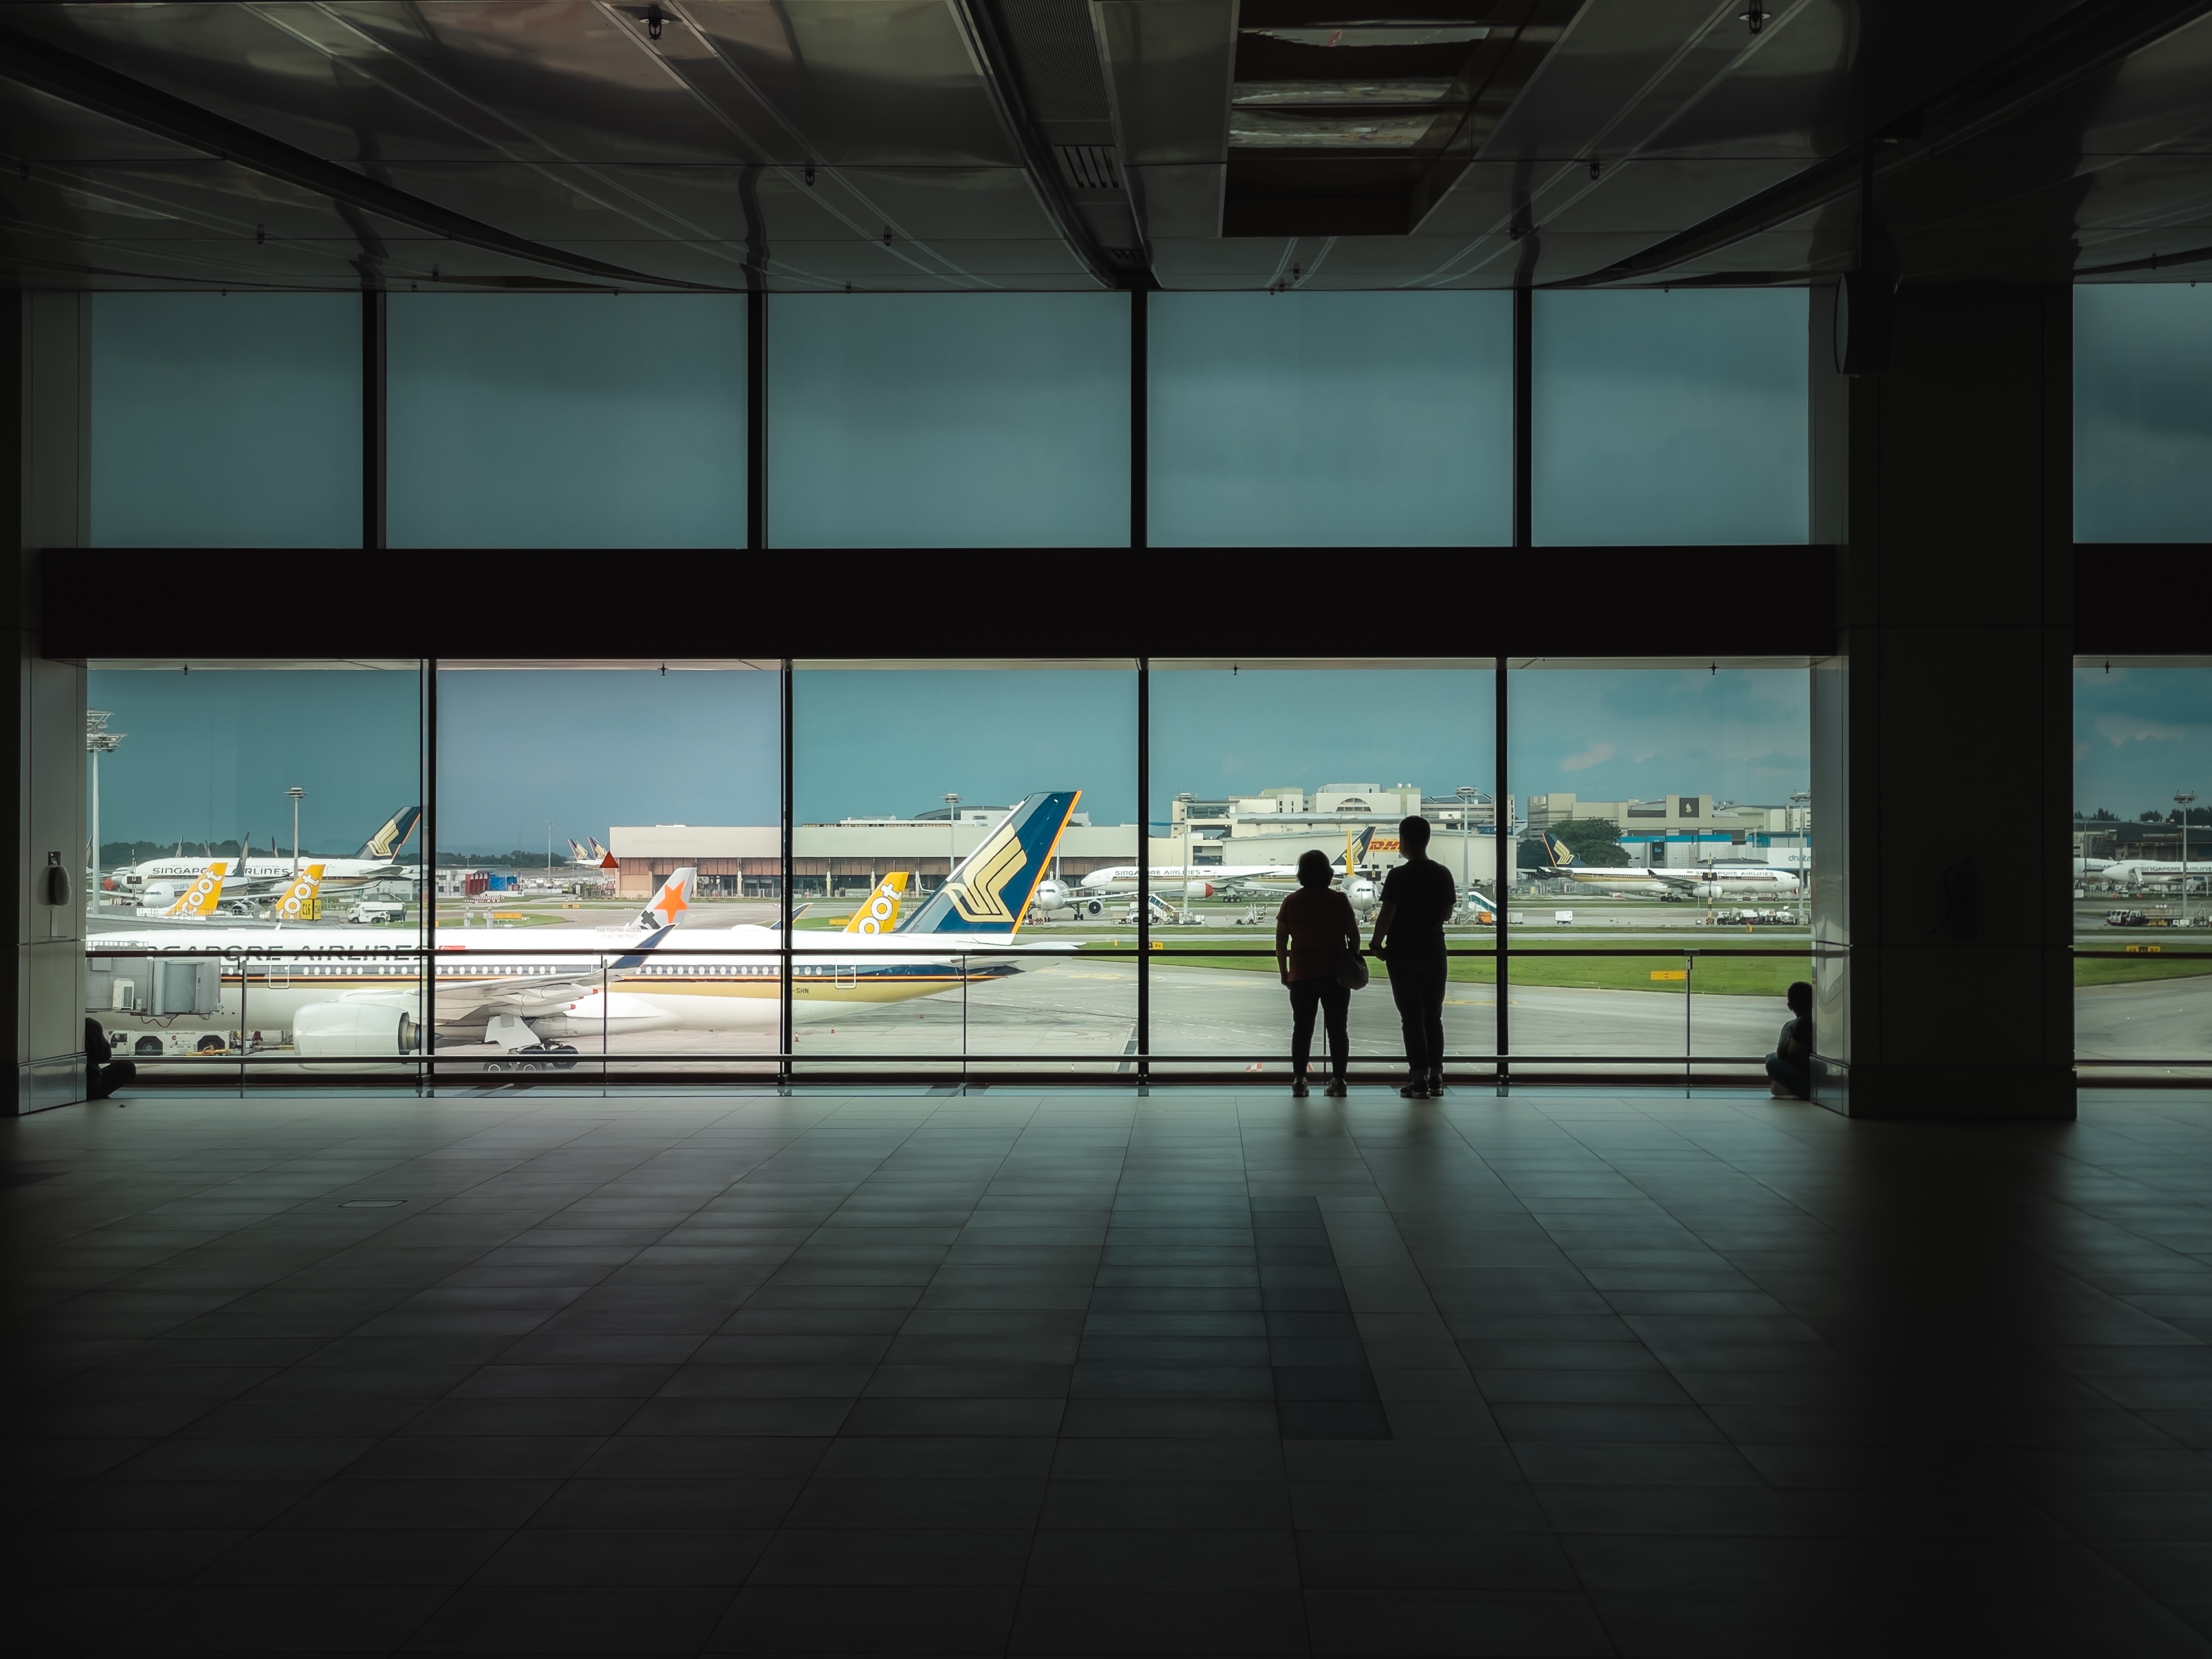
(944,145)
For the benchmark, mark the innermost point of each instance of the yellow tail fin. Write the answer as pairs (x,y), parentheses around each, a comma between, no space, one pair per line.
(881,913)
(202,896)
(297,902)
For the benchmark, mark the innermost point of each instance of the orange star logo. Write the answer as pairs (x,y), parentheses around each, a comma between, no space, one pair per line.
(673,902)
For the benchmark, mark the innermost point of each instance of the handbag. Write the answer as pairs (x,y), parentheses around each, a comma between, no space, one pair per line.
(1351,971)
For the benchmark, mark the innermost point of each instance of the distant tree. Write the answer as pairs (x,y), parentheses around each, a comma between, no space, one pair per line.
(2150,817)
(1593,841)
(2100,816)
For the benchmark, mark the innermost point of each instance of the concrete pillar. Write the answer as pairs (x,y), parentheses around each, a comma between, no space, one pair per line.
(1947,482)
(46,478)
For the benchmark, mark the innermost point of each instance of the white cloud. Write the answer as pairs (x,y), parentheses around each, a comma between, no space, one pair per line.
(2122,728)
(1589,758)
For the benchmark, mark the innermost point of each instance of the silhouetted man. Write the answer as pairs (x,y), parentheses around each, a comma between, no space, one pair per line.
(102,1079)
(1417,899)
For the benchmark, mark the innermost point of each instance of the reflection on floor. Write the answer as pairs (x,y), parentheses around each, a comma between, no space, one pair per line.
(1031,1373)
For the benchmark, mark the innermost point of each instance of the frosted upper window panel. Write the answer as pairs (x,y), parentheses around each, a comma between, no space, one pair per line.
(1664,418)
(2143,413)
(226,419)
(965,420)
(566,420)
(1331,420)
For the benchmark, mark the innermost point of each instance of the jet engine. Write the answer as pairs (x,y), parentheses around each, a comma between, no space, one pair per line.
(350,1029)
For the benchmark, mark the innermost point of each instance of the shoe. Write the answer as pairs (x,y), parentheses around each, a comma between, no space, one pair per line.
(1336,1091)
(1783,1091)
(1417,1089)
(1299,1090)
(1436,1081)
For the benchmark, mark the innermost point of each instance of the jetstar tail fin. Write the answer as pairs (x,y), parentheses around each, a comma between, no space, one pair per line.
(991,890)
(880,914)
(670,901)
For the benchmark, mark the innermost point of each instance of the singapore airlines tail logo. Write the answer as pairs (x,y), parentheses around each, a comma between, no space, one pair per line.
(398,829)
(976,895)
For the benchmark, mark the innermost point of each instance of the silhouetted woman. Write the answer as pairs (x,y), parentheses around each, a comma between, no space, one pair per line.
(1314,932)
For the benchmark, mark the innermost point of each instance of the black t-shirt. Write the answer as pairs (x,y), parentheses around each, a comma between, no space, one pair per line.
(1422,890)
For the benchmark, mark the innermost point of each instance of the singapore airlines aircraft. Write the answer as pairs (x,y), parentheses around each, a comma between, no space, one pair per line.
(1197,880)
(495,986)
(1706,881)
(374,859)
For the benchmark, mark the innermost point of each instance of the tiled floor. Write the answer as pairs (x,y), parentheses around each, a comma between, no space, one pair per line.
(1088,1372)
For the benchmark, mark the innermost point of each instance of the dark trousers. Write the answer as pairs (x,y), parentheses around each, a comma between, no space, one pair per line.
(101,1081)
(1416,986)
(1793,1075)
(1335,1004)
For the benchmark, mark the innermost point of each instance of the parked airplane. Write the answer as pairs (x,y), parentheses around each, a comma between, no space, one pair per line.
(2149,872)
(1174,881)
(492,985)
(207,896)
(376,857)
(1704,881)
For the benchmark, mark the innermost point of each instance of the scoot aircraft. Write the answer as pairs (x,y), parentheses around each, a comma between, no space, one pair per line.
(198,901)
(1707,881)
(376,858)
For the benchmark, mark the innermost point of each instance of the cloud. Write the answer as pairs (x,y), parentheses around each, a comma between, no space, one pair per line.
(2122,728)
(1589,758)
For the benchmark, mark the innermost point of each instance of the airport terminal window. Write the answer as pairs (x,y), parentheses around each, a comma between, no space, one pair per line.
(197,775)
(1671,419)
(1254,764)
(601,811)
(565,420)
(2142,414)
(904,420)
(1331,420)
(1020,779)
(226,419)
(1663,810)
(2142,870)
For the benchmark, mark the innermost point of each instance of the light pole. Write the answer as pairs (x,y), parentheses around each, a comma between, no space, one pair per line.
(99,741)
(2183,799)
(1801,804)
(1182,895)
(952,832)
(295,795)
(1466,792)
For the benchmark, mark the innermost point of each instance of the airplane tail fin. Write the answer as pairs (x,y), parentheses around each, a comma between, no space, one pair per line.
(600,856)
(201,898)
(880,914)
(397,831)
(1557,853)
(1355,848)
(991,890)
(577,852)
(670,901)
(297,901)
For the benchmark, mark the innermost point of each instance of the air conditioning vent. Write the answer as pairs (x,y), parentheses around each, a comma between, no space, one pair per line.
(1088,166)
(1123,256)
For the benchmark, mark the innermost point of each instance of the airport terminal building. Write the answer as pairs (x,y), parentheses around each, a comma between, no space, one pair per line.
(1743,473)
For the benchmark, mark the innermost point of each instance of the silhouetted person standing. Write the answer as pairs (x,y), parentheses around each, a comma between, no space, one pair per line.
(1417,899)
(1315,932)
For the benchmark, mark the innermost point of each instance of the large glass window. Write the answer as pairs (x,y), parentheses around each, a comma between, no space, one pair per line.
(1670,417)
(1662,863)
(1331,420)
(257,894)
(1253,765)
(2142,867)
(226,419)
(607,842)
(562,420)
(902,420)
(2143,413)
(1019,781)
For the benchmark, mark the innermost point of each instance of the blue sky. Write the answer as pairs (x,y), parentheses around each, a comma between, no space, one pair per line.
(2139,735)
(209,755)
